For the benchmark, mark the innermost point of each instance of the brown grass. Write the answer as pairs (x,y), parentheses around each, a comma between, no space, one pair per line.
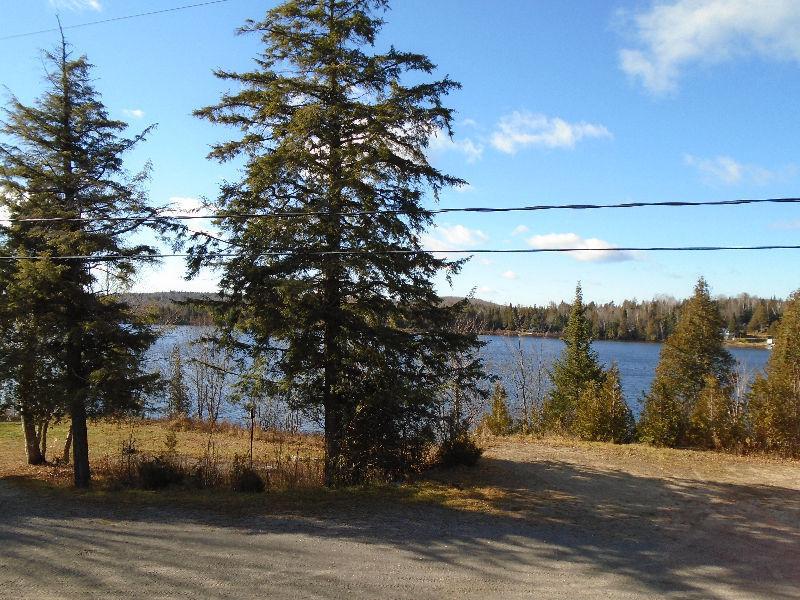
(195,441)
(481,489)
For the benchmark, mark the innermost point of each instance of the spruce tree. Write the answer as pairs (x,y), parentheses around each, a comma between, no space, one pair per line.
(774,405)
(574,371)
(63,159)
(691,354)
(344,306)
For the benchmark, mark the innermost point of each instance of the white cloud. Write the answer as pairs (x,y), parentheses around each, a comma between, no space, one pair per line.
(486,262)
(77,4)
(133,113)
(585,249)
(677,33)
(520,229)
(487,290)
(522,129)
(452,237)
(441,142)
(724,169)
(510,275)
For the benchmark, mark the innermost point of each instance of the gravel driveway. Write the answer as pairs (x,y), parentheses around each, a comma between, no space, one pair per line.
(568,523)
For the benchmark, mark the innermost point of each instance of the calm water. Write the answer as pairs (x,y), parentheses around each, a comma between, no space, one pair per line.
(637,361)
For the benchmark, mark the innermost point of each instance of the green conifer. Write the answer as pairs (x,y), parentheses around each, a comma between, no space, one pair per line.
(574,371)
(178,402)
(62,157)
(692,353)
(775,396)
(353,326)
(499,421)
(602,414)
(716,421)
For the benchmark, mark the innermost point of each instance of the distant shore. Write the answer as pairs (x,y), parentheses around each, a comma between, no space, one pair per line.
(756,343)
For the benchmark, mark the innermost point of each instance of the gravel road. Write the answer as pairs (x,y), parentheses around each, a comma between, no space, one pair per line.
(568,522)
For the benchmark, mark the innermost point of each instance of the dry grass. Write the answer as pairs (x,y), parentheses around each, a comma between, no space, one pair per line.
(493,487)
(195,443)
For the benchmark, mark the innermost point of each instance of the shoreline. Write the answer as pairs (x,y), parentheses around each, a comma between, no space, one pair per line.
(760,345)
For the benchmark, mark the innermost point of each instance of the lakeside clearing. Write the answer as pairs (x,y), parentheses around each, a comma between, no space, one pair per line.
(552,517)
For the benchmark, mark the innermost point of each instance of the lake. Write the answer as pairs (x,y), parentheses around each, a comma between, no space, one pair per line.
(636,360)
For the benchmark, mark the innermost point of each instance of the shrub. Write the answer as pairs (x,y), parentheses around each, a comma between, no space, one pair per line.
(498,422)
(716,422)
(245,479)
(459,451)
(602,414)
(158,473)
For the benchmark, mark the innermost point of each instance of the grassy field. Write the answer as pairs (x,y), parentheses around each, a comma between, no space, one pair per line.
(484,489)
(108,441)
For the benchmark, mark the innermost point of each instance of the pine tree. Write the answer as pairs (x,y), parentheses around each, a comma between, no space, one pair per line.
(31,368)
(352,321)
(602,414)
(691,354)
(62,158)
(774,405)
(574,371)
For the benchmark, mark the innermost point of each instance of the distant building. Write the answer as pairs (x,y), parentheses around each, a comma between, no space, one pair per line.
(770,343)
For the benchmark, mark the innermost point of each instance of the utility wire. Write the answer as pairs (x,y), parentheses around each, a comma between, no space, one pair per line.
(435,211)
(114,19)
(278,253)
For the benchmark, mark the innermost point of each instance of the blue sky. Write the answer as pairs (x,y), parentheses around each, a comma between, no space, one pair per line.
(563,102)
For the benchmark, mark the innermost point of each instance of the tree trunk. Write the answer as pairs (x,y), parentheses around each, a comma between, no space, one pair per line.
(333,448)
(41,436)
(32,450)
(67,446)
(80,443)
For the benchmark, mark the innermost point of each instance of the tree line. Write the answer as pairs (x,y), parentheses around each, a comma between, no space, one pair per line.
(645,321)
(697,398)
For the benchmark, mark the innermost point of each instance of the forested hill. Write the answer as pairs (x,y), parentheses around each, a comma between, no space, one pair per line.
(170,308)
(651,320)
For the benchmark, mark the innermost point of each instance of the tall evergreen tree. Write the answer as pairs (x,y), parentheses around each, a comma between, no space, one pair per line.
(694,352)
(62,159)
(574,371)
(330,130)
(775,396)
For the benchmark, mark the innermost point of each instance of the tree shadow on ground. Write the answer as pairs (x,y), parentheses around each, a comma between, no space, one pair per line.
(555,527)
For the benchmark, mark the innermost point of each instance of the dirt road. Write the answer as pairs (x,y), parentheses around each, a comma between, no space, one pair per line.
(567,521)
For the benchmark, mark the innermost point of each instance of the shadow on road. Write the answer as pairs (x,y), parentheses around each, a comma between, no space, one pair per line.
(558,526)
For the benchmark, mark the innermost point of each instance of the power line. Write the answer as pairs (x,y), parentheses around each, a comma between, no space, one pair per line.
(435,211)
(401,251)
(114,19)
